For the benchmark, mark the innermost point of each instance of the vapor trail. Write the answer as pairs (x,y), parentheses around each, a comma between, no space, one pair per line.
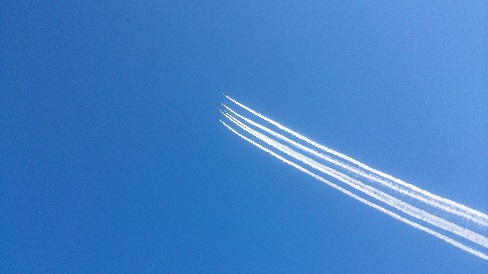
(371,191)
(358,171)
(364,201)
(481,217)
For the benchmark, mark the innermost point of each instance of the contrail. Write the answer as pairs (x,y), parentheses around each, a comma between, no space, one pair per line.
(357,171)
(364,201)
(377,194)
(481,217)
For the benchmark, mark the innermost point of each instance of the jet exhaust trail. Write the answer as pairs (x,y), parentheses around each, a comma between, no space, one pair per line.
(365,174)
(362,200)
(481,217)
(357,171)
(381,196)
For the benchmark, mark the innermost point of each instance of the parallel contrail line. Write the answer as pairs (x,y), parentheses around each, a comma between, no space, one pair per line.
(371,191)
(357,171)
(451,203)
(364,201)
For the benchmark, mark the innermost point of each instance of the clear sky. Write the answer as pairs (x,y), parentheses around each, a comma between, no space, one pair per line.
(112,158)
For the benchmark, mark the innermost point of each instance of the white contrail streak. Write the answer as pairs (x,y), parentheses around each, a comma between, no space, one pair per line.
(364,201)
(357,171)
(371,191)
(483,218)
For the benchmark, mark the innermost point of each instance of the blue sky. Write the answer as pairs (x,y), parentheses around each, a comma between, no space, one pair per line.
(112,158)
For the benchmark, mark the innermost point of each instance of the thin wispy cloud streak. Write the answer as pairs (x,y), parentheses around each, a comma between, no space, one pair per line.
(329,165)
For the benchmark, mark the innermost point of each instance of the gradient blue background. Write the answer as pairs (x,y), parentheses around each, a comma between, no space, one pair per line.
(112,158)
